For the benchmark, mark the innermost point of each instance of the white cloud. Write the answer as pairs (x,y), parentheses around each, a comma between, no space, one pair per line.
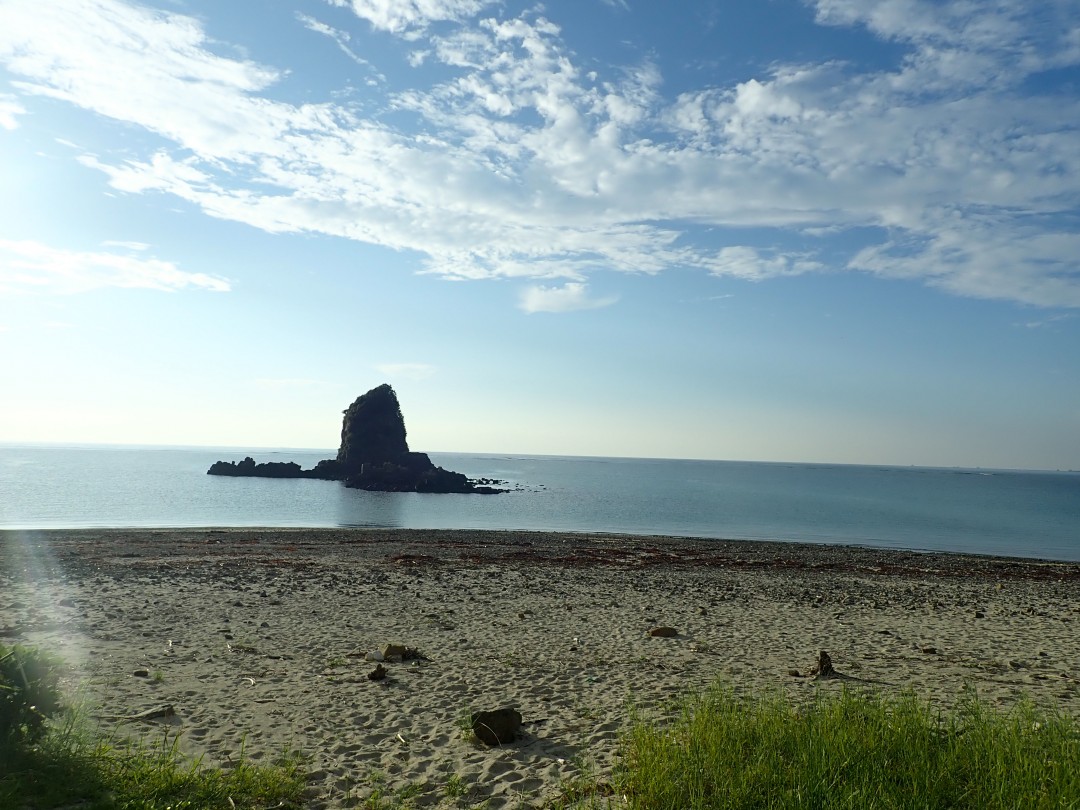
(10,109)
(408,371)
(978,260)
(749,263)
(141,66)
(520,164)
(27,266)
(398,16)
(958,42)
(573,295)
(135,246)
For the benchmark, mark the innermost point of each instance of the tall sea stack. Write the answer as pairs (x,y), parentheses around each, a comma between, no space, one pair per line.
(374,452)
(373,430)
(373,455)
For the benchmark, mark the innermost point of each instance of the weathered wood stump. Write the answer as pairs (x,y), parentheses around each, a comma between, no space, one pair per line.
(824,668)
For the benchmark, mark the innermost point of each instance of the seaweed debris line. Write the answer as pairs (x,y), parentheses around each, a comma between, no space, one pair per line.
(374,455)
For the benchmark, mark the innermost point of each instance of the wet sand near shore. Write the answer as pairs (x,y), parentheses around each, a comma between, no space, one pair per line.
(257,639)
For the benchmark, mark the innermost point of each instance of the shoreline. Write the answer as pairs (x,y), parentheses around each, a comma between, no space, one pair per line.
(610,545)
(257,637)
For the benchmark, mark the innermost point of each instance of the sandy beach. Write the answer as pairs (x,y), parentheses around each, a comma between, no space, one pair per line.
(260,640)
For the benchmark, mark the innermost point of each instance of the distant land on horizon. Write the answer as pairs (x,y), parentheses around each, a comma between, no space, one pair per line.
(271,450)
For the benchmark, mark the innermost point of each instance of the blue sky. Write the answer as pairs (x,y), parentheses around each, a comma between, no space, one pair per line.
(803,230)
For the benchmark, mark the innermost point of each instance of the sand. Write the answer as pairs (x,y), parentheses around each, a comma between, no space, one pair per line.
(257,639)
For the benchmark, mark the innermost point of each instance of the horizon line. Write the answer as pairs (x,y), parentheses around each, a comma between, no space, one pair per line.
(5,443)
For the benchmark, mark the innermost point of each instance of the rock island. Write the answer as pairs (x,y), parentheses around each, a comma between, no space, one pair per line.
(374,455)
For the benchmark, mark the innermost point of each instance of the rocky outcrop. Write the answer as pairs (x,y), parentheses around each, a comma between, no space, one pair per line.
(411,472)
(374,455)
(269,469)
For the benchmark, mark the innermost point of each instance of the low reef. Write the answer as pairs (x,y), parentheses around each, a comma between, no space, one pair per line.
(374,455)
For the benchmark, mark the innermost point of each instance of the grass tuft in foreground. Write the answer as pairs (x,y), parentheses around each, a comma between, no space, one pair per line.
(850,751)
(49,758)
(69,767)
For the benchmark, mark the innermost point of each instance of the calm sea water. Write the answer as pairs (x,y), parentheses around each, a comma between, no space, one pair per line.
(1029,514)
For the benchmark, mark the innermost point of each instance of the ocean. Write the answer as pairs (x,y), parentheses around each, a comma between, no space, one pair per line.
(998,512)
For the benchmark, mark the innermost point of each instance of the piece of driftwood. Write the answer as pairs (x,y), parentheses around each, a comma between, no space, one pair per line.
(143,717)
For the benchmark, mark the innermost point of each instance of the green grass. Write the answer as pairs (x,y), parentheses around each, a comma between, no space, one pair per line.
(456,788)
(850,751)
(402,799)
(69,767)
(49,757)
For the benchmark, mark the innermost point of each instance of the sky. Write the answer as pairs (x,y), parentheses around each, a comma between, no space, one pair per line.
(781,230)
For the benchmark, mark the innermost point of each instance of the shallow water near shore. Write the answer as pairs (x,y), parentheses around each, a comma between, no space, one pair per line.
(1011,513)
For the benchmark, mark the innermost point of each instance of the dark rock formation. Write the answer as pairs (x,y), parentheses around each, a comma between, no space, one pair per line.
(497,727)
(374,455)
(373,430)
(411,472)
(248,467)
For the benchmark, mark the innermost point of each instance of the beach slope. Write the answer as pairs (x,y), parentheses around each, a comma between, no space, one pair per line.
(262,640)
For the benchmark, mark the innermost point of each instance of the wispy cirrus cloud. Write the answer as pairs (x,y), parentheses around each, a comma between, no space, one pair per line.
(290,383)
(27,266)
(342,40)
(1043,323)
(125,245)
(10,110)
(408,371)
(517,163)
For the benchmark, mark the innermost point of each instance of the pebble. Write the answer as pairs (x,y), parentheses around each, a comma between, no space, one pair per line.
(663,632)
